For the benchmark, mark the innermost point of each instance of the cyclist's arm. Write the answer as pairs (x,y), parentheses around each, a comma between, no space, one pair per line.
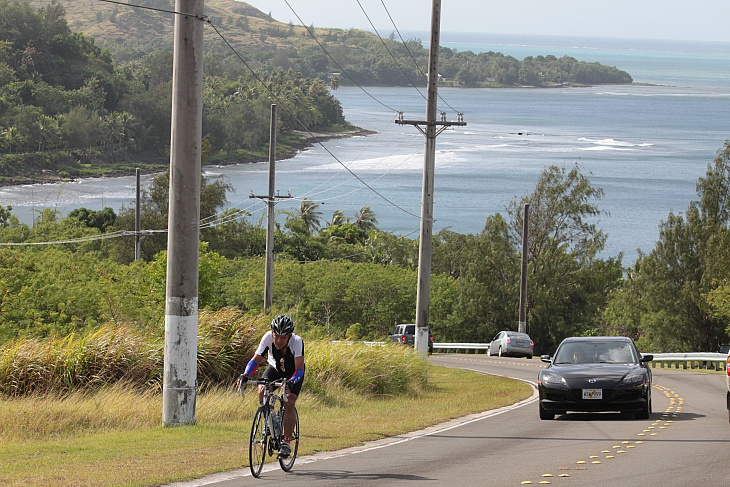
(253,365)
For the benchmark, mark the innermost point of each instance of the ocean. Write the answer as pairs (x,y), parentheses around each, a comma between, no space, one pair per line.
(645,145)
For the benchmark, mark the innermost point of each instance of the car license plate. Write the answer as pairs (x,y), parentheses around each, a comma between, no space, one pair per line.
(592,393)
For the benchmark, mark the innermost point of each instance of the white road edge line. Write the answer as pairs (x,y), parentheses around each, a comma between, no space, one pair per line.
(375,444)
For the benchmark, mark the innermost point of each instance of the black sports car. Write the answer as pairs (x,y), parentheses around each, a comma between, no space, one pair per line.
(590,374)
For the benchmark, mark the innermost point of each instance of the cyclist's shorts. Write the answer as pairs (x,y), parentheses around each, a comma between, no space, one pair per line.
(271,373)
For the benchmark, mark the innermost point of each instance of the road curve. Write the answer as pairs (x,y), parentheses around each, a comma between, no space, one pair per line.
(684,443)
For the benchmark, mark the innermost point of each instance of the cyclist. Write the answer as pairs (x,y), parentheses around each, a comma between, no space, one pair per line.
(286,361)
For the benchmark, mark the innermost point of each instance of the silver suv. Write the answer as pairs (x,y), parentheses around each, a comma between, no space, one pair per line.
(405,333)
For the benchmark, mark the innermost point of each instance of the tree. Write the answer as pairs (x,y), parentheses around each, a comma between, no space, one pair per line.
(335,83)
(365,219)
(338,218)
(686,266)
(567,284)
(7,218)
(309,215)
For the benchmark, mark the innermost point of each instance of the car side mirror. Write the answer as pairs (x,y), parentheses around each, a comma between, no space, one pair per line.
(390,333)
(546,358)
(646,358)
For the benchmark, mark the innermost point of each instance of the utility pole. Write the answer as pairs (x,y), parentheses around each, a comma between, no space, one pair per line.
(179,388)
(522,328)
(137,222)
(269,273)
(270,226)
(431,132)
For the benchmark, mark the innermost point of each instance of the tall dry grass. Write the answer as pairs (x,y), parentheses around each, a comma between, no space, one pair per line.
(338,375)
(123,354)
(226,340)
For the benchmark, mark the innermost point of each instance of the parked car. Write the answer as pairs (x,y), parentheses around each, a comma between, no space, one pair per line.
(405,333)
(511,343)
(591,374)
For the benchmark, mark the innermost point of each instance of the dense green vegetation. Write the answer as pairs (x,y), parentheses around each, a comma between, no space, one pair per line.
(341,277)
(68,110)
(348,279)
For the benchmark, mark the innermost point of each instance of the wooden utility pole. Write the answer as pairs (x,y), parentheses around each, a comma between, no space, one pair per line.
(137,221)
(429,159)
(181,305)
(269,273)
(522,326)
(270,225)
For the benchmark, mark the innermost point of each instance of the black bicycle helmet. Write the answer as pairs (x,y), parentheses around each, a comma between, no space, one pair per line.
(282,325)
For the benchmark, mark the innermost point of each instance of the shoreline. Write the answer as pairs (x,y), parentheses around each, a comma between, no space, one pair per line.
(150,166)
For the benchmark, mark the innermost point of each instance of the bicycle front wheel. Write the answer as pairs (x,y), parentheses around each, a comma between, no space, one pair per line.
(259,441)
(287,463)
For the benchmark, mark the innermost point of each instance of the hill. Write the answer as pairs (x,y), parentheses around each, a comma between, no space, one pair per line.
(361,57)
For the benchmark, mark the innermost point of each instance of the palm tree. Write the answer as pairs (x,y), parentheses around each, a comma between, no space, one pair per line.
(48,132)
(365,220)
(309,214)
(13,138)
(334,83)
(338,218)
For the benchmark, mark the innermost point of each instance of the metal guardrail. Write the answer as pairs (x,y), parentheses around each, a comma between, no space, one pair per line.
(475,347)
(694,360)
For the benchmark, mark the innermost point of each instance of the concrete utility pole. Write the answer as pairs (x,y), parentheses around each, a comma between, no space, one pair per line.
(522,328)
(270,225)
(429,159)
(181,305)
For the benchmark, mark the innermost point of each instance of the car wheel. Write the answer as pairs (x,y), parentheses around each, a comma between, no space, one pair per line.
(546,416)
(499,352)
(528,357)
(646,411)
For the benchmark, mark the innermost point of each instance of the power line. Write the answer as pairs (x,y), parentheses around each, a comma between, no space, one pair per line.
(314,137)
(314,37)
(382,41)
(405,44)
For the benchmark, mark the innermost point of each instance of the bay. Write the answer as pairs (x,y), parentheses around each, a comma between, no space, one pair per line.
(645,145)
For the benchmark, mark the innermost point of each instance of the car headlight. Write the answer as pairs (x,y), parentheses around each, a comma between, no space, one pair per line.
(551,378)
(634,378)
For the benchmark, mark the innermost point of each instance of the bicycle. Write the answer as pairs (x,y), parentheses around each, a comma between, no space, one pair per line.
(267,428)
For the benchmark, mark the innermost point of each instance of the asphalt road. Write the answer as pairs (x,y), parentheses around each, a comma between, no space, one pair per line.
(684,443)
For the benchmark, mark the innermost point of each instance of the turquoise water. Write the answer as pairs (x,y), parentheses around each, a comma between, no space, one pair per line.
(644,145)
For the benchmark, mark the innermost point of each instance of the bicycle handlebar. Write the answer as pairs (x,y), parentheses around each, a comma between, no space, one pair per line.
(263,382)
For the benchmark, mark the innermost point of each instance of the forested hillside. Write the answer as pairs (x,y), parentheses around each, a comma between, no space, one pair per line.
(317,51)
(68,110)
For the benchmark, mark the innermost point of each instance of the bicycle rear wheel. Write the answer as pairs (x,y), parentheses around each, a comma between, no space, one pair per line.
(259,440)
(287,463)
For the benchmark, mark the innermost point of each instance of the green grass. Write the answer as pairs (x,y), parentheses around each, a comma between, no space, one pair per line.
(113,436)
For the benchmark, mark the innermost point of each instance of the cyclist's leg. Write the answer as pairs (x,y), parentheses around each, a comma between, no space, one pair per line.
(290,408)
(270,374)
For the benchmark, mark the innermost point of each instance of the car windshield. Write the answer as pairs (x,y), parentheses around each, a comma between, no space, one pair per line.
(518,335)
(595,352)
(410,330)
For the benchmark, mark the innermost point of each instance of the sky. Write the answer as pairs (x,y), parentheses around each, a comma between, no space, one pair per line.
(700,20)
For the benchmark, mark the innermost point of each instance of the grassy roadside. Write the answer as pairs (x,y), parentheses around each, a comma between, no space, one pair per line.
(113,437)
